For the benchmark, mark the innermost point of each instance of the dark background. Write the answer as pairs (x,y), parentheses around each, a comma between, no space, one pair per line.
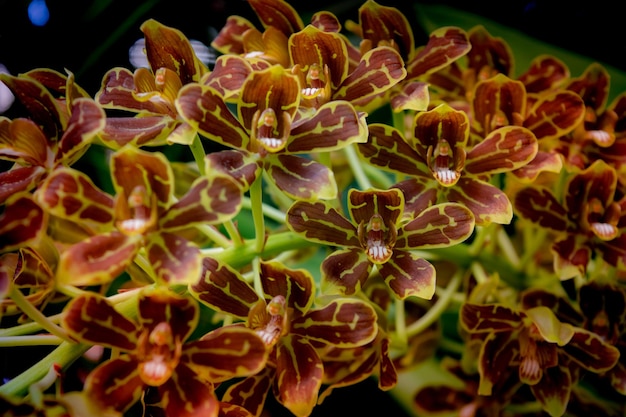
(89,37)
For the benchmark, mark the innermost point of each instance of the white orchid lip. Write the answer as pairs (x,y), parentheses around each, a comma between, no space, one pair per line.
(311,92)
(378,252)
(602,137)
(272,144)
(604,231)
(446,176)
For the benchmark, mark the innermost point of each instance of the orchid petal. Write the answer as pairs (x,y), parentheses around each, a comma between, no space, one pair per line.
(299,373)
(343,322)
(321,223)
(345,271)
(225,353)
(302,178)
(408,274)
(93,319)
(223,288)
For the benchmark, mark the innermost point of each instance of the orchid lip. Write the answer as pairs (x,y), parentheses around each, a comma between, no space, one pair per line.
(254,54)
(601,137)
(378,252)
(272,144)
(446,176)
(311,92)
(133,225)
(604,231)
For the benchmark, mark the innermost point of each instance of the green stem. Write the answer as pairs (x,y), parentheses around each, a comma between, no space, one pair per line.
(258,285)
(34,327)
(36,315)
(504,242)
(276,243)
(67,352)
(64,355)
(379,178)
(357,168)
(463,256)
(197,150)
(256,203)
(400,322)
(438,308)
(397,120)
(33,340)
(233,232)
(270,212)
(36,390)
(27,328)
(212,233)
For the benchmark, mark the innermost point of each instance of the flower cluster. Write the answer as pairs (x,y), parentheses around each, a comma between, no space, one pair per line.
(323,204)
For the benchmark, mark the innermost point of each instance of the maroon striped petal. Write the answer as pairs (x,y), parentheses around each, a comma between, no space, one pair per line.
(409,275)
(90,318)
(98,259)
(345,271)
(174,258)
(223,288)
(343,322)
(299,372)
(226,352)
(115,384)
(21,222)
(322,223)
(187,394)
(297,286)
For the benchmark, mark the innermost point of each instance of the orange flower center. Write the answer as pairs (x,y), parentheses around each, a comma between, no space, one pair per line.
(138,214)
(443,164)
(158,354)
(273,323)
(377,240)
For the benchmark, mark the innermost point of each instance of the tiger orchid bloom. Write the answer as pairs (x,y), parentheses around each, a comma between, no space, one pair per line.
(615,154)
(443,166)
(149,93)
(386,26)
(600,309)
(327,64)
(240,37)
(485,57)
(547,353)
(587,219)
(600,135)
(501,101)
(57,131)
(269,133)
(143,214)
(321,61)
(156,352)
(461,397)
(292,327)
(379,234)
